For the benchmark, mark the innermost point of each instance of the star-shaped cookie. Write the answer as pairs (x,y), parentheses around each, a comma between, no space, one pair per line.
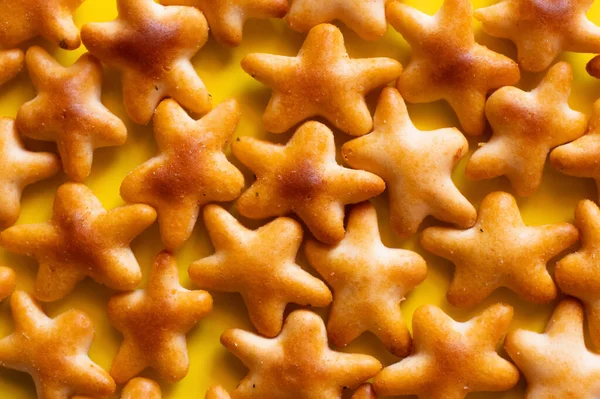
(416,166)
(53,351)
(11,63)
(18,169)
(69,111)
(500,251)
(557,364)
(154,322)
(542,29)
(451,359)
(8,282)
(152,45)
(81,240)
(303,177)
(322,80)
(526,127)
(369,280)
(446,62)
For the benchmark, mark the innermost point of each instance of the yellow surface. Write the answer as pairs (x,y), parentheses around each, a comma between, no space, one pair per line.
(220,70)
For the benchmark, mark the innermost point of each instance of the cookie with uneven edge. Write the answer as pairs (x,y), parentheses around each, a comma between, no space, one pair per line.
(152,46)
(190,169)
(526,127)
(11,63)
(8,282)
(416,166)
(322,80)
(369,280)
(500,251)
(69,111)
(303,177)
(451,359)
(81,240)
(53,351)
(446,62)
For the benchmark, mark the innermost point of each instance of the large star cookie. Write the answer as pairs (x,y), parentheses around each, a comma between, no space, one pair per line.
(500,251)
(11,63)
(447,63)
(303,177)
(322,80)
(154,322)
(68,110)
(542,29)
(81,240)
(526,126)
(152,46)
(190,169)
(8,282)
(369,281)
(451,359)
(53,351)
(416,166)
(557,364)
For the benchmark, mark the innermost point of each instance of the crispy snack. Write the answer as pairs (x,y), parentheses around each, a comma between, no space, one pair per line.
(81,240)
(190,169)
(542,30)
(8,282)
(152,46)
(451,359)
(141,388)
(154,322)
(500,251)
(18,169)
(526,127)
(593,67)
(53,351)
(69,111)
(303,177)
(416,166)
(298,363)
(11,63)
(369,281)
(556,364)
(447,63)
(320,81)
(260,265)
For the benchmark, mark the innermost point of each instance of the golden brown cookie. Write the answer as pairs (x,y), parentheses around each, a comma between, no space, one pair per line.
(141,388)
(593,67)
(322,80)
(557,364)
(8,282)
(81,240)
(542,29)
(446,62)
(451,359)
(526,127)
(365,391)
(11,63)
(69,111)
(154,322)
(416,166)
(18,169)
(369,280)
(303,177)
(152,45)
(190,169)
(500,251)
(53,351)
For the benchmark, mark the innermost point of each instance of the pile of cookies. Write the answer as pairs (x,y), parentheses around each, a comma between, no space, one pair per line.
(302,190)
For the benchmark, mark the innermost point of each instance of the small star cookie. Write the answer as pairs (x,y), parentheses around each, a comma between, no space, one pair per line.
(321,81)
(53,351)
(447,64)
(81,240)
(542,29)
(526,127)
(154,322)
(69,111)
(369,281)
(152,46)
(190,169)
(451,359)
(500,251)
(8,282)
(416,166)
(303,177)
(11,63)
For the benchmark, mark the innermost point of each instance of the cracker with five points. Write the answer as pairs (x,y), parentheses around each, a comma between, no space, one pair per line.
(152,46)
(11,63)
(8,282)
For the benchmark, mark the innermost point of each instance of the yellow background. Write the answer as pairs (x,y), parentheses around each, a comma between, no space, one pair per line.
(220,70)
